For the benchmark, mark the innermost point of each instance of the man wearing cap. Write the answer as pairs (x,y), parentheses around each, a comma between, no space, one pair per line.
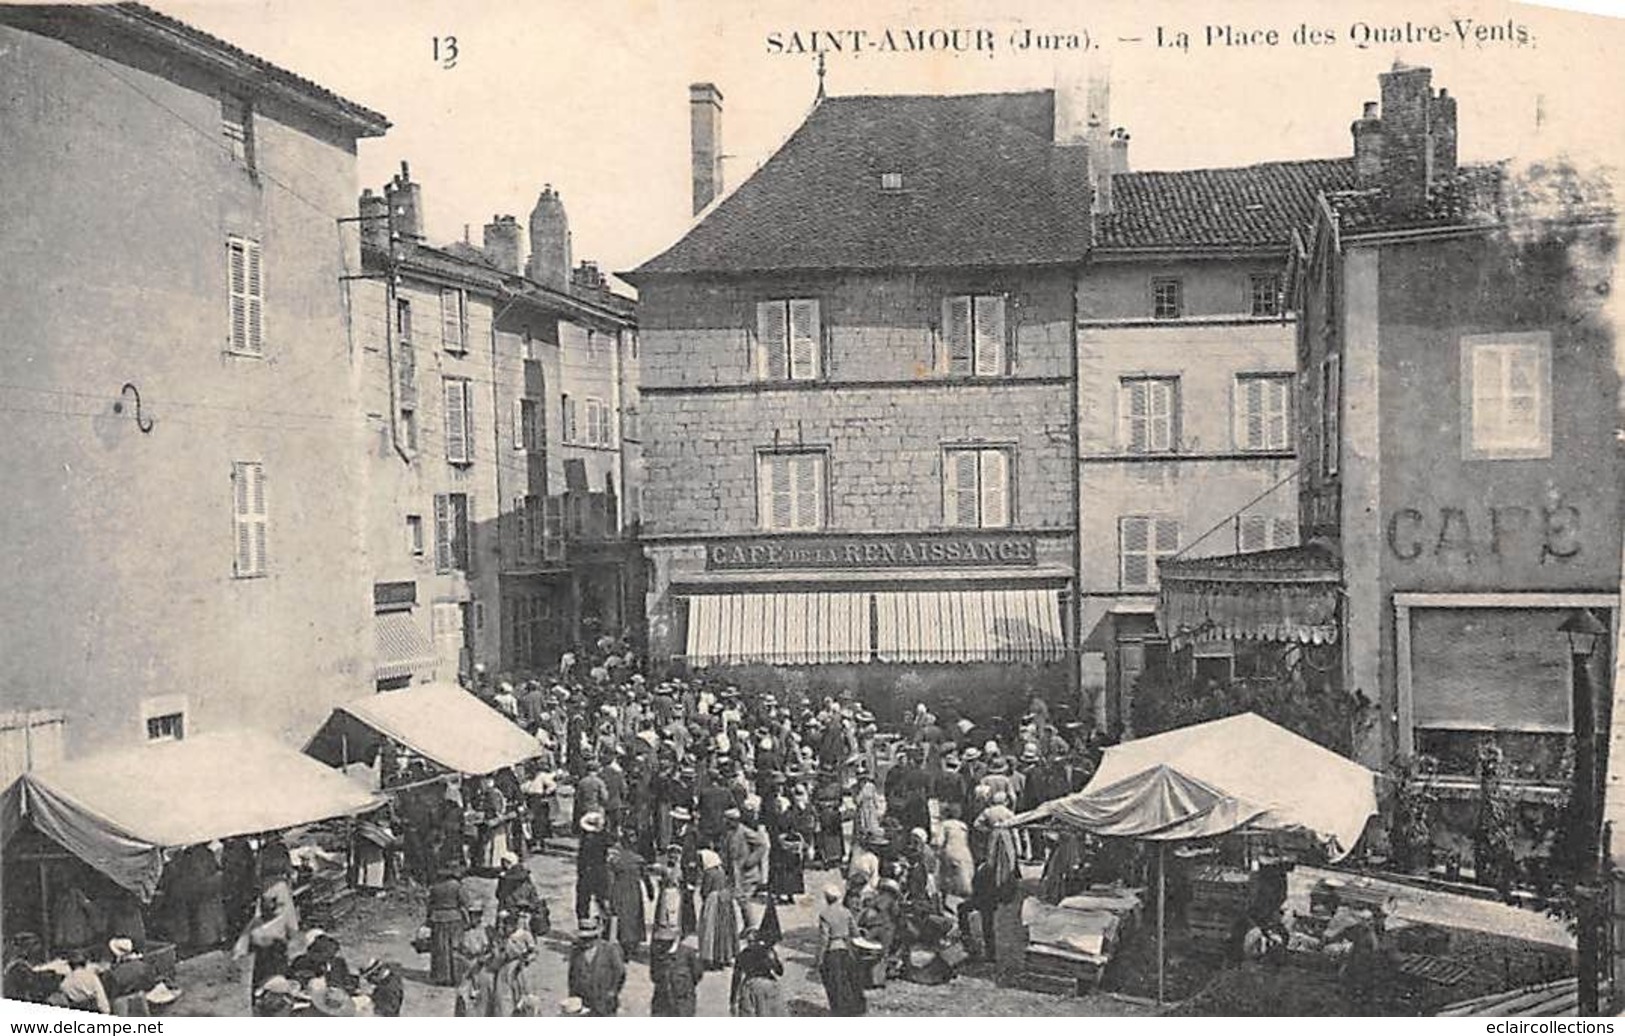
(592,865)
(597,971)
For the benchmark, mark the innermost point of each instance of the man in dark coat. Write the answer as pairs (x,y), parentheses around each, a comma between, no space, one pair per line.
(597,970)
(592,865)
(675,969)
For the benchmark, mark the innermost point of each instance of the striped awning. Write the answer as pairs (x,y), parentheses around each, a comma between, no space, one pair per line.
(403,649)
(969,626)
(778,628)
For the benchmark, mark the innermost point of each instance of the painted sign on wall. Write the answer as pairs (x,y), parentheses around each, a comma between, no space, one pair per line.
(933,551)
(1545,533)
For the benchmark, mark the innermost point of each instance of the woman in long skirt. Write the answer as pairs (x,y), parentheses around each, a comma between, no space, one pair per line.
(756,992)
(836,964)
(447,920)
(719,919)
(626,897)
(784,860)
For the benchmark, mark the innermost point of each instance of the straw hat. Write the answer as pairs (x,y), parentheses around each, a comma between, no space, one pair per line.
(333,1002)
(593,821)
(572,1005)
(162,994)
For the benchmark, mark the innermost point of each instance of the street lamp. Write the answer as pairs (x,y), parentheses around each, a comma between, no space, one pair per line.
(1583,631)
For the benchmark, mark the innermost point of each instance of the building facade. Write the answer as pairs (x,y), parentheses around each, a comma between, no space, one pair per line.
(858,441)
(494,407)
(183,438)
(1187,440)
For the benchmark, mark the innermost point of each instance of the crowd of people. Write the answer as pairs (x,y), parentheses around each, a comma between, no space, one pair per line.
(699,808)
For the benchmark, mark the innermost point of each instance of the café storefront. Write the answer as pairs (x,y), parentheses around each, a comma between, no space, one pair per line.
(955,611)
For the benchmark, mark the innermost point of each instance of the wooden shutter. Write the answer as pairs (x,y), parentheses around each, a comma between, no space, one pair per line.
(1167,538)
(237,282)
(442,532)
(956,334)
(772,331)
(990,332)
(463,505)
(1159,415)
(995,487)
(781,488)
(1135,410)
(456,421)
(1134,549)
(451,319)
(809,495)
(1254,533)
(1284,533)
(254,343)
(805,338)
(249,512)
(1250,430)
(962,502)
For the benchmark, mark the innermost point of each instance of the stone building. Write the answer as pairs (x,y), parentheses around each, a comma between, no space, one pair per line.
(494,402)
(1187,442)
(186,547)
(856,406)
(1458,391)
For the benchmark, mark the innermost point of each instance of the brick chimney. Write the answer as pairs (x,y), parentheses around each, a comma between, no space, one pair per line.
(587,275)
(1367,131)
(1119,150)
(549,242)
(1418,137)
(406,206)
(502,243)
(374,212)
(1098,141)
(705,142)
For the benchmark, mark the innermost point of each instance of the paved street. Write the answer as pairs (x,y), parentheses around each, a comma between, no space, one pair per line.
(216,986)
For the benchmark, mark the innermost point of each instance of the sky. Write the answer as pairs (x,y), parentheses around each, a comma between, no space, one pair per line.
(592,98)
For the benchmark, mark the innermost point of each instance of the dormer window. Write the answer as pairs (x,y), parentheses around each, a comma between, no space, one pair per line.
(891,181)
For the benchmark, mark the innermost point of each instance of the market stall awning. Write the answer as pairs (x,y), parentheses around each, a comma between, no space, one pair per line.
(119,810)
(969,626)
(1286,595)
(403,648)
(778,628)
(439,721)
(1228,774)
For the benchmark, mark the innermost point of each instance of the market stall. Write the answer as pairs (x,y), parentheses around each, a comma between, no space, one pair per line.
(1238,774)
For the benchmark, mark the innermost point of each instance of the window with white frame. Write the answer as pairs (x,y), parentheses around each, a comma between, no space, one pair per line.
(1506,396)
(976,487)
(453,320)
(790,490)
(789,340)
(246,285)
(1264,290)
(164,717)
(414,535)
(974,335)
(1263,411)
(1331,414)
(1148,414)
(459,420)
(249,518)
(1142,542)
(567,418)
(598,423)
(1264,532)
(1167,298)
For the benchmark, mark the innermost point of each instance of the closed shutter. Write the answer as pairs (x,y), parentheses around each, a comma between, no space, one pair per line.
(248,504)
(568,419)
(995,489)
(1136,409)
(956,334)
(1277,413)
(451,319)
(809,493)
(772,331)
(1254,533)
(256,301)
(442,532)
(407,371)
(962,489)
(1250,413)
(1166,543)
(1284,533)
(781,500)
(990,332)
(805,339)
(1134,548)
(245,284)
(466,554)
(457,421)
(1159,415)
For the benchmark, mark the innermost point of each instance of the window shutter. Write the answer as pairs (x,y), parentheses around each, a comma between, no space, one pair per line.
(456,422)
(1278,413)
(519,424)
(254,343)
(995,489)
(990,335)
(1252,409)
(965,485)
(805,338)
(451,319)
(465,534)
(809,497)
(1254,533)
(1134,549)
(1167,536)
(1523,403)
(783,486)
(1134,415)
(956,333)
(240,513)
(442,532)
(1285,533)
(1159,415)
(259,516)
(237,281)
(771,333)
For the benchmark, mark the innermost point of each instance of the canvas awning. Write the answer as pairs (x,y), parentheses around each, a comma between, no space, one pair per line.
(1289,596)
(969,626)
(1241,772)
(778,628)
(118,811)
(402,647)
(439,721)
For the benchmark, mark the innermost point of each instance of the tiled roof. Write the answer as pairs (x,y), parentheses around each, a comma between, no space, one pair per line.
(983,185)
(1255,206)
(1482,195)
(175,35)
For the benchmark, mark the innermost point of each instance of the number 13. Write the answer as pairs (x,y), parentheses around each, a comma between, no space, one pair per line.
(445,51)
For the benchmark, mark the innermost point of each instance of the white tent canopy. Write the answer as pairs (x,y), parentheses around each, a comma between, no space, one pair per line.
(440,721)
(1241,772)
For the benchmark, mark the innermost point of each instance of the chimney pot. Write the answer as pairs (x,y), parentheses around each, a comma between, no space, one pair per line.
(549,242)
(705,143)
